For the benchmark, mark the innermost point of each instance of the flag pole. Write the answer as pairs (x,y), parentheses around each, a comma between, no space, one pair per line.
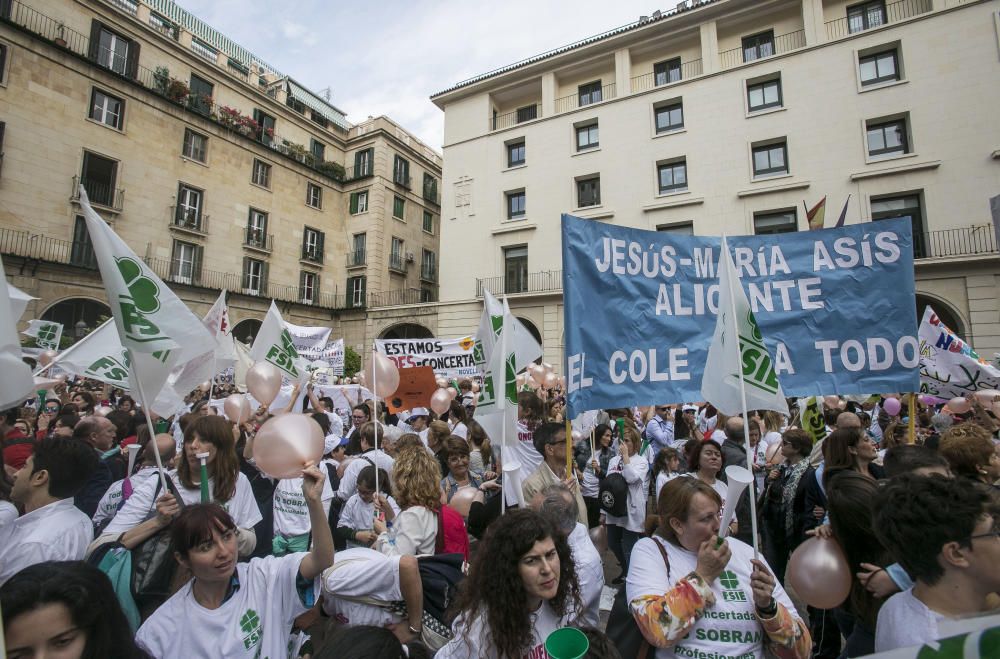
(211,386)
(63,353)
(746,420)
(137,383)
(374,417)
(912,406)
(503,414)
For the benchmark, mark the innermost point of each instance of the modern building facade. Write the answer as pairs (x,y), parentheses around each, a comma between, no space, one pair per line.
(220,171)
(725,116)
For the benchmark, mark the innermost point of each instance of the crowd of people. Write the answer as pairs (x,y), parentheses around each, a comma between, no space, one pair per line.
(400,542)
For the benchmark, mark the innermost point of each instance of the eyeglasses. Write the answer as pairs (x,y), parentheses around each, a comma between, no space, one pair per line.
(994,532)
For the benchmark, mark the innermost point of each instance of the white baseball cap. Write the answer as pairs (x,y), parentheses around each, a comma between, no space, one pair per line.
(417,411)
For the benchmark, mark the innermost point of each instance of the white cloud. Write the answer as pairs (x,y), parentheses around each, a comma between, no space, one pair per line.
(389,57)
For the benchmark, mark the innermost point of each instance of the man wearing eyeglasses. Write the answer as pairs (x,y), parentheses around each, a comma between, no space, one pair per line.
(660,430)
(944,533)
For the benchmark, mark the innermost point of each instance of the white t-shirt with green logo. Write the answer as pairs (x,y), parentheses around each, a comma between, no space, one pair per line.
(728,629)
(475,640)
(291,514)
(255,623)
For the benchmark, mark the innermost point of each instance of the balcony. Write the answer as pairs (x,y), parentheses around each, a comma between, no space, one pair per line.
(358,172)
(312,254)
(429,273)
(974,240)
(189,221)
(567,103)
(127,6)
(400,297)
(519,116)
(648,81)
(893,13)
(357,258)
(256,239)
(164,26)
(100,194)
(431,194)
(402,180)
(396,262)
(534,282)
(783,43)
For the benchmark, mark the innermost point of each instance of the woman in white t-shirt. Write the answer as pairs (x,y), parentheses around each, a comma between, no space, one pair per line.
(457,418)
(594,471)
(521,587)
(417,488)
(231,609)
(625,531)
(695,595)
(149,509)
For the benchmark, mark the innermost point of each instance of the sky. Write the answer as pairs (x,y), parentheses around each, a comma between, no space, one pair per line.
(388,57)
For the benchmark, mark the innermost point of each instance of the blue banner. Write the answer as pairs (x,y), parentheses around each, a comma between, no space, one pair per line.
(836,308)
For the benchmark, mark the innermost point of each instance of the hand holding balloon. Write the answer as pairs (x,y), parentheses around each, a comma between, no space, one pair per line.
(312,483)
(286,444)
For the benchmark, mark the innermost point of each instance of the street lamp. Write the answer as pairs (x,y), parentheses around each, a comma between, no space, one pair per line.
(80,329)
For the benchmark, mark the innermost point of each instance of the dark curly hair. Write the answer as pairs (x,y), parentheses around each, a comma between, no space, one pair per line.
(494,588)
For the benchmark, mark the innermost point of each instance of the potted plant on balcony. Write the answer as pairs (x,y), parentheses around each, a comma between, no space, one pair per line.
(60,40)
(178,91)
(161,78)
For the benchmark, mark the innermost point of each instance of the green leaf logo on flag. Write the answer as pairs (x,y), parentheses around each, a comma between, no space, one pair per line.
(758,369)
(497,323)
(46,337)
(143,299)
(283,356)
(511,380)
(478,355)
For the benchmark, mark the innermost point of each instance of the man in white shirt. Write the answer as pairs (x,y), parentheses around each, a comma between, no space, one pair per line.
(558,505)
(369,456)
(51,528)
(946,534)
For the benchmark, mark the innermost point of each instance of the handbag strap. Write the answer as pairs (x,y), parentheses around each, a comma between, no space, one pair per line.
(439,538)
(644,648)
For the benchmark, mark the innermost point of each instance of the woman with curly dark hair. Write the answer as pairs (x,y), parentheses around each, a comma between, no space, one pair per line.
(522,586)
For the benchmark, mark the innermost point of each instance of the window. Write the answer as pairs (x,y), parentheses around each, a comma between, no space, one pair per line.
(770,222)
(677,229)
(99,178)
(904,205)
(764,95)
(672,176)
(396,254)
(401,171)
(318,149)
(879,67)
(666,72)
(358,249)
(257,230)
(82,252)
(587,137)
(113,51)
(515,153)
(363,163)
(195,145)
(398,207)
(200,99)
(107,109)
(189,207)
(312,244)
(254,276)
(770,159)
(265,126)
(588,192)
(261,173)
(515,205)
(865,16)
(515,260)
(527,113)
(295,104)
(428,222)
(308,287)
(758,46)
(887,138)
(428,265)
(355,292)
(319,119)
(314,195)
(589,93)
(3,63)
(185,262)
(669,117)
(359,202)
(430,188)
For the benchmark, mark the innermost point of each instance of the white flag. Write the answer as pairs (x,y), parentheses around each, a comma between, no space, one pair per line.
(274,344)
(17,383)
(524,346)
(18,301)
(217,322)
(46,333)
(159,330)
(310,342)
(99,356)
(738,347)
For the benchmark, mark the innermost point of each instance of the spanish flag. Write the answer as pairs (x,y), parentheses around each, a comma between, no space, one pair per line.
(816,215)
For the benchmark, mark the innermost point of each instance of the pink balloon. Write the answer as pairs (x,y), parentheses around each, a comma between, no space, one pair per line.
(475,387)
(987,395)
(995,407)
(46,357)
(892,406)
(599,536)
(550,381)
(285,443)
(452,392)
(237,408)
(819,573)
(442,383)
(537,372)
(831,401)
(358,380)
(547,366)
(959,405)
(929,400)
(383,375)
(521,379)
(440,401)
(264,382)
(462,500)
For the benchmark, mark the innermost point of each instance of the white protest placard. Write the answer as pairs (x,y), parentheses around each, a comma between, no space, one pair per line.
(450,358)
(949,367)
(309,342)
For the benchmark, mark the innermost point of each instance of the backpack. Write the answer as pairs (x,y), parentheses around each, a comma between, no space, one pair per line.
(613,495)
(622,630)
(451,538)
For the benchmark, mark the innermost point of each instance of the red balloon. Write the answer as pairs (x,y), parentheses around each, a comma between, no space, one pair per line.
(819,573)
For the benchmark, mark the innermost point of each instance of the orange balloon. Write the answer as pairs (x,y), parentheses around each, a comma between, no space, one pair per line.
(819,573)
(285,443)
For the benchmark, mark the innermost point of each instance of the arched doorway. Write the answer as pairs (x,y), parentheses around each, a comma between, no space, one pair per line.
(407,331)
(530,326)
(245,331)
(944,311)
(78,315)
